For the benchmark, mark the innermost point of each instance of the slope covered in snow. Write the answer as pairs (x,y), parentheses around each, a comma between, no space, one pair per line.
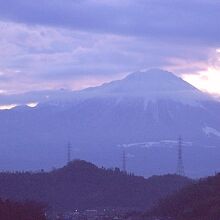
(151,85)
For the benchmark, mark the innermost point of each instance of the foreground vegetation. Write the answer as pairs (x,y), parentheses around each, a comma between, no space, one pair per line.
(199,201)
(82,185)
(21,211)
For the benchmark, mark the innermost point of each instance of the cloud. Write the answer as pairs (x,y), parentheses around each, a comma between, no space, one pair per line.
(53,44)
(186,21)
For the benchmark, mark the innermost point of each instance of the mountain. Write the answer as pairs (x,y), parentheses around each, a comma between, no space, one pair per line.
(200,200)
(144,113)
(151,85)
(82,185)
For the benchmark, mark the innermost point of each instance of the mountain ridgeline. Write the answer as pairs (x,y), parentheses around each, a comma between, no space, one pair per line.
(146,111)
(82,185)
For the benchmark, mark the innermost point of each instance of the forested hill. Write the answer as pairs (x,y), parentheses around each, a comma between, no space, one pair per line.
(199,201)
(82,185)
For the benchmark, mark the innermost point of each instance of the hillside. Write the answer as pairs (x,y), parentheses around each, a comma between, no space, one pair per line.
(199,201)
(145,110)
(10,210)
(82,185)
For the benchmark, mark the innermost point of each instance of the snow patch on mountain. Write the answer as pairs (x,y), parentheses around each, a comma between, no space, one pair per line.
(211,131)
(7,107)
(161,143)
(32,104)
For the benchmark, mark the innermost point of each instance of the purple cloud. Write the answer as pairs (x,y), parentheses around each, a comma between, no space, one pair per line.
(62,44)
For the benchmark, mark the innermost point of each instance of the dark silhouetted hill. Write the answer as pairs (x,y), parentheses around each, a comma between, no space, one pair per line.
(199,201)
(21,211)
(82,185)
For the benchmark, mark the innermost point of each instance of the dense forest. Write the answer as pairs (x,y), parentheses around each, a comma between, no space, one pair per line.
(21,211)
(82,185)
(199,201)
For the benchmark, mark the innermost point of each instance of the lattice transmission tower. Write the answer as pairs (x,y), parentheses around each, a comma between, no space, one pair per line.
(180,167)
(124,161)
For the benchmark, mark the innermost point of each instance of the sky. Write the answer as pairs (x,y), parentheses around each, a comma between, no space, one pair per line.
(74,44)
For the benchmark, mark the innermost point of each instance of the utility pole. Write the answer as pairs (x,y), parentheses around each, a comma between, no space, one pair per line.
(180,166)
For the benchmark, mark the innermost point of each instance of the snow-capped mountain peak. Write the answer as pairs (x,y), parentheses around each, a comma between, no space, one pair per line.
(154,84)
(156,80)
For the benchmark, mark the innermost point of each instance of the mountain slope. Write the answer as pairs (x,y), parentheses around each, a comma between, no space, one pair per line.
(151,85)
(82,185)
(146,111)
(198,201)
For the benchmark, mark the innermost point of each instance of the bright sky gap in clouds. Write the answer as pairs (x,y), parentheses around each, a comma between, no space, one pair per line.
(79,43)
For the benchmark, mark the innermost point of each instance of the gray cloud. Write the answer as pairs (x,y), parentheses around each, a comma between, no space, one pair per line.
(54,44)
(183,21)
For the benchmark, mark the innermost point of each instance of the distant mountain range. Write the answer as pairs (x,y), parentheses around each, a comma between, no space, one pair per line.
(144,113)
(82,185)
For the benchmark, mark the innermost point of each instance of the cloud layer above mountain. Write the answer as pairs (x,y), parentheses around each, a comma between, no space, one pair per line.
(78,43)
